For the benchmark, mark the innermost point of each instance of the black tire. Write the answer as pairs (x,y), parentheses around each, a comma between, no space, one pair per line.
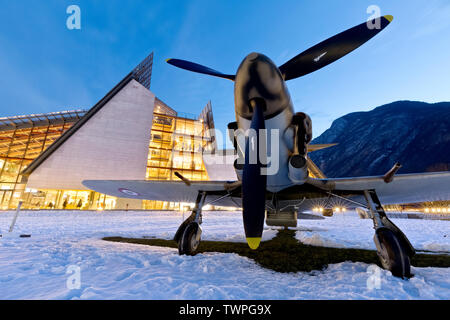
(393,256)
(182,227)
(188,244)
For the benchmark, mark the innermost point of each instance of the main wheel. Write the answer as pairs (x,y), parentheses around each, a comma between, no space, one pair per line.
(190,239)
(393,256)
(183,226)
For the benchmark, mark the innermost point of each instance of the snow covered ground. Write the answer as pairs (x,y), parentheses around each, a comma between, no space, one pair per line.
(348,231)
(42,266)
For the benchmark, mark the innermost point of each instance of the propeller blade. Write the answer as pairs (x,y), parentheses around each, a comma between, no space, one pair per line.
(331,49)
(194,67)
(254,184)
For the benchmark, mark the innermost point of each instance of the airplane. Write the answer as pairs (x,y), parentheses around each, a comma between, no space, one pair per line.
(263,104)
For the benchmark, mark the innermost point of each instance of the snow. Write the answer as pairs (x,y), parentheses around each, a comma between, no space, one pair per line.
(36,267)
(346,230)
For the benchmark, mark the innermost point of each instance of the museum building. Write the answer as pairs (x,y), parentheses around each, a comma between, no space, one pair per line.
(129,134)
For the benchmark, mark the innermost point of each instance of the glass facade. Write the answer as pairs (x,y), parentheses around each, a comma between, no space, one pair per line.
(177,145)
(22,139)
(143,72)
(67,200)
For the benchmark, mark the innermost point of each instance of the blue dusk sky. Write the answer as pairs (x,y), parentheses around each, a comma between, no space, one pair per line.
(45,67)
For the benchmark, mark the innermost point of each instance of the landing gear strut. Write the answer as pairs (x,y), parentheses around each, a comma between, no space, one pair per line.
(188,235)
(394,249)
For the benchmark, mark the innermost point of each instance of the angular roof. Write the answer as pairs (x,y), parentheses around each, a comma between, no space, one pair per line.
(142,74)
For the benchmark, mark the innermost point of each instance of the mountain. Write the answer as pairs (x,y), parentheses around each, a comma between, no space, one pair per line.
(416,134)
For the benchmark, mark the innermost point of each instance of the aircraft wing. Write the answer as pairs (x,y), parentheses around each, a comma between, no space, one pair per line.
(170,191)
(405,188)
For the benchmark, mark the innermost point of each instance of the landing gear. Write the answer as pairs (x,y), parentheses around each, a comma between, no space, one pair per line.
(394,249)
(188,235)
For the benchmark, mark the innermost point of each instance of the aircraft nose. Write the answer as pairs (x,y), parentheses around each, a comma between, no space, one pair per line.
(259,78)
(253,56)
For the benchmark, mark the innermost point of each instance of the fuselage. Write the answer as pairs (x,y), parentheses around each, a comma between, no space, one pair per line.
(259,78)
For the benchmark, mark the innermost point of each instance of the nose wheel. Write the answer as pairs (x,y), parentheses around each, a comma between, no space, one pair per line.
(188,235)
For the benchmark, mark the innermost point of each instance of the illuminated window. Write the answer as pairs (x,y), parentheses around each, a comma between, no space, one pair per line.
(177,145)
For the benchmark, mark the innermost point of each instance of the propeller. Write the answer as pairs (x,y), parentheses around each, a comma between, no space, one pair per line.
(194,67)
(253,182)
(331,49)
(312,59)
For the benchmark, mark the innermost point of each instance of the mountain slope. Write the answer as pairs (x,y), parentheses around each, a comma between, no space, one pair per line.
(416,134)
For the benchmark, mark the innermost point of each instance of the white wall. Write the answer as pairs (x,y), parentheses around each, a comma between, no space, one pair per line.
(112,145)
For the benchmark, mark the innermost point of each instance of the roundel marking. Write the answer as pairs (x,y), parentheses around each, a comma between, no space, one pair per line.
(129,192)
